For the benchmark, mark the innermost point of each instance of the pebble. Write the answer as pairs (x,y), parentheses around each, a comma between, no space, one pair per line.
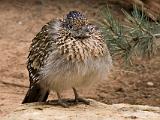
(20,22)
(150,83)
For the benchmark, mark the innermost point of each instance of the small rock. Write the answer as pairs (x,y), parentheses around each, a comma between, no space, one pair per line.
(20,22)
(150,83)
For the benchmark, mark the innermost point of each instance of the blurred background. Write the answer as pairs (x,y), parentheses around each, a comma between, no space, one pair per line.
(21,20)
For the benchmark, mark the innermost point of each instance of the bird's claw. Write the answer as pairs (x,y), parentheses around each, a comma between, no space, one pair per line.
(58,102)
(79,99)
(63,103)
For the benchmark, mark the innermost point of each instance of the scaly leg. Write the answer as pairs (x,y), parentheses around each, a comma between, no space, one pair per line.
(79,99)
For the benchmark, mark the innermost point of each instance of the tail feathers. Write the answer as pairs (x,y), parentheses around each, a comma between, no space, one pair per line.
(36,94)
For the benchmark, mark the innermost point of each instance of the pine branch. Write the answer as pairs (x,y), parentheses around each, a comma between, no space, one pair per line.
(135,39)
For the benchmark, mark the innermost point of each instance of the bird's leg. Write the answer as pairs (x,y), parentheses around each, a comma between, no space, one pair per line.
(79,99)
(61,102)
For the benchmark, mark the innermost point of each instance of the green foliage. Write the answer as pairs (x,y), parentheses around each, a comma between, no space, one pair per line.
(137,38)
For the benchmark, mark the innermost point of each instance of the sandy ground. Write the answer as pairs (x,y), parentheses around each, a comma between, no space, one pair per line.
(19,23)
(94,111)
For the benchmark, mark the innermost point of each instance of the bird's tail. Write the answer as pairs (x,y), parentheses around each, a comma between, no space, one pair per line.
(36,94)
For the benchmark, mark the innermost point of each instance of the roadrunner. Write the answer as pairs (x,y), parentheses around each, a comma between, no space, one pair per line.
(66,53)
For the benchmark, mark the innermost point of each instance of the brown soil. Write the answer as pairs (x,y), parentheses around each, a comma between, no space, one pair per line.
(19,23)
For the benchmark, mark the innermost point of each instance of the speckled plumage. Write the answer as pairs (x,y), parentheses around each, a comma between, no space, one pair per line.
(68,53)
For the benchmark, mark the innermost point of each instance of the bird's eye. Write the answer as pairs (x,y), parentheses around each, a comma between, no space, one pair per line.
(70,27)
(90,29)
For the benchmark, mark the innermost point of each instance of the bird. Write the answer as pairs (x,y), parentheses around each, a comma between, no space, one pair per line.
(67,53)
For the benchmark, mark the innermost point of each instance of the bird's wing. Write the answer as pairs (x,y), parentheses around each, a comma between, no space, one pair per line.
(39,51)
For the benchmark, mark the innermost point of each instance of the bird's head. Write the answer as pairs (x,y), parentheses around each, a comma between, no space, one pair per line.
(77,24)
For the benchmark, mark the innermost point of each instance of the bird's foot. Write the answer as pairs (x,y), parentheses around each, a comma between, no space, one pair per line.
(58,102)
(63,103)
(82,100)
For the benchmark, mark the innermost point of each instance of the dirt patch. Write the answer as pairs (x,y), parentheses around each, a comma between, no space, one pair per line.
(139,86)
(19,23)
(95,110)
